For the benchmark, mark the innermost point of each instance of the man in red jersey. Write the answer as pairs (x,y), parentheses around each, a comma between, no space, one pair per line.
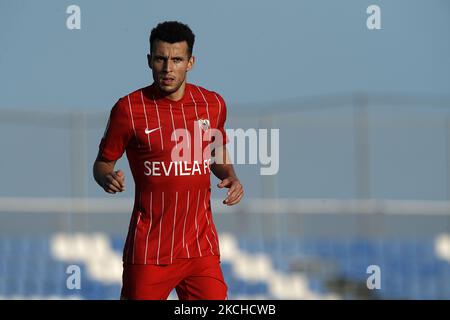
(173,134)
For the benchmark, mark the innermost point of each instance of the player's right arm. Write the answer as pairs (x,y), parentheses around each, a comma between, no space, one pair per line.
(111,181)
(114,142)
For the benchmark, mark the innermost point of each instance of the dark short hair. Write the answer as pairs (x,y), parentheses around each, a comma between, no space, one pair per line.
(172,32)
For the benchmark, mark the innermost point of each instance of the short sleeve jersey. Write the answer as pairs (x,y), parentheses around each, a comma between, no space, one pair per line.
(166,144)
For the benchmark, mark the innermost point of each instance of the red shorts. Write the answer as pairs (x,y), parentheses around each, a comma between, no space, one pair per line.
(193,279)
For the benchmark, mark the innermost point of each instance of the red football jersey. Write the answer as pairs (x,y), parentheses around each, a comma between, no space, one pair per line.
(171,216)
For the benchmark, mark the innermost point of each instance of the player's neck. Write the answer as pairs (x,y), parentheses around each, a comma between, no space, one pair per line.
(174,96)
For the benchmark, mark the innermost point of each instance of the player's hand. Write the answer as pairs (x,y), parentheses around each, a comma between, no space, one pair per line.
(236,192)
(114,182)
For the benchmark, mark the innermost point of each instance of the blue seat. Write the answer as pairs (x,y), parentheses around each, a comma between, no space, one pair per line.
(92,290)
(226,268)
(257,288)
(317,285)
(111,292)
(236,286)
(117,243)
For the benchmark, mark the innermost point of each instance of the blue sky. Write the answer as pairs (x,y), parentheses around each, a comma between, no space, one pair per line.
(250,51)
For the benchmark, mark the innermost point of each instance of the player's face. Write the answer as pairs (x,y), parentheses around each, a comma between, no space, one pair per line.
(169,63)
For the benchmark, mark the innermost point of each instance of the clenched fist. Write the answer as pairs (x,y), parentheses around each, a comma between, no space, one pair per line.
(114,182)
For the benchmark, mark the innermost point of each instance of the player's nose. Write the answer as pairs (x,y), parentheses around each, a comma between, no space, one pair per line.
(167,67)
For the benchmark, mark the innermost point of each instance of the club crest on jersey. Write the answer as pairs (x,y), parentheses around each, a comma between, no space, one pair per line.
(204,124)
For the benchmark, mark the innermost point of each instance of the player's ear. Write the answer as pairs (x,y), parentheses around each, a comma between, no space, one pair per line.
(191,63)
(149,60)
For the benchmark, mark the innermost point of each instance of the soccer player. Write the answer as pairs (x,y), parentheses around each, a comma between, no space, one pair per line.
(173,134)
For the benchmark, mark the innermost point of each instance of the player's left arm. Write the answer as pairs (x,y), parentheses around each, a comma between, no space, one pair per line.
(223,169)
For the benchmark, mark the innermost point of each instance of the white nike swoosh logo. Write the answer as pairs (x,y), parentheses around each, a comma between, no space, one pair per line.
(147,131)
